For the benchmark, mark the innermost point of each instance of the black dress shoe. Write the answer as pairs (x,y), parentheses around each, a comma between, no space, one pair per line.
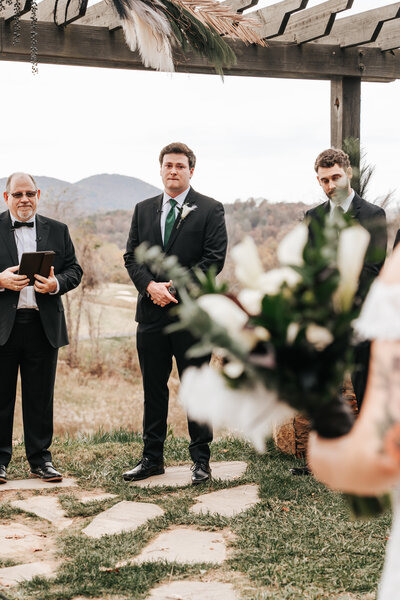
(301,471)
(46,472)
(201,473)
(3,474)
(144,469)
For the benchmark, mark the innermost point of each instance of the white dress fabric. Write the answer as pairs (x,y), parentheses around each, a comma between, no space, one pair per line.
(380,319)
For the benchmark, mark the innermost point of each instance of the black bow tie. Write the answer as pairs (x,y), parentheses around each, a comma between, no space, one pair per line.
(18,224)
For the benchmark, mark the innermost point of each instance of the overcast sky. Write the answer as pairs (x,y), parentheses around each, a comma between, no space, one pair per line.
(252,137)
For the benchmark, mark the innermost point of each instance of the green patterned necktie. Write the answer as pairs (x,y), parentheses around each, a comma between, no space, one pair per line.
(170,220)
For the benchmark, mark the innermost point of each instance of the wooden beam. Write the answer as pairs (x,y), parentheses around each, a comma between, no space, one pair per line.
(274,19)
(345,110)
(101,14)
(8,10)
(362,28)
(239,5)
(99,47)
(315,22)
(389,36)
(68,11)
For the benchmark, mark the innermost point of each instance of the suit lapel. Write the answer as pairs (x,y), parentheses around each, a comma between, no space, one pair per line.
(42,232)
(7,235)
(355,207)
(189,200)
(156,218)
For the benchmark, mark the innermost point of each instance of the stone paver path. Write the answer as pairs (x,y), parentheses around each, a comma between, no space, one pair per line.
(124,516)
(19,542)
(227,503)
(180,476)
(184,545)
(45,507)
(13,575)
(96,497)
(193,590)
(36,484)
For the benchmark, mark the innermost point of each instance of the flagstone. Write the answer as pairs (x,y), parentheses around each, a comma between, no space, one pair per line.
(181,475)
(185,545)
(45,507)
(13,575)
(96,497)
(124,516)
(19,542)
(227,503)
(194,590)
(36,484)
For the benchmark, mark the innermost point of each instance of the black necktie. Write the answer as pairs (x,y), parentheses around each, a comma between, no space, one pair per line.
(18,224)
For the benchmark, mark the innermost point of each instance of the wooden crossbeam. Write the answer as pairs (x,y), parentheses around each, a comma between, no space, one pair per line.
(315,22)
(8,11)
(101,14)
(389,36)
(67,11)
(362,28)
(274,19)
(239,5)
(99,47)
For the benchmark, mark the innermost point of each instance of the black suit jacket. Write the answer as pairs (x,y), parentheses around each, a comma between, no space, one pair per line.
(51,235)
(373,218)
(199,240)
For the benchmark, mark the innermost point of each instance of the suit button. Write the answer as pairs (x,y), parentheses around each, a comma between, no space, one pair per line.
(14,306)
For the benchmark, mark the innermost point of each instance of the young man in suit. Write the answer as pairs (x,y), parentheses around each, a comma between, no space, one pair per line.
(192,227)
(334,175)
(32,323)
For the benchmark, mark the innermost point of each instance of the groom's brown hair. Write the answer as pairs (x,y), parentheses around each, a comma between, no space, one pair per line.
(332,156)
(179,148)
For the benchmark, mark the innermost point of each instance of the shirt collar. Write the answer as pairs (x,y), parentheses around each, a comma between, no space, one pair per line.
(345,204)
(179,199)
(13,219)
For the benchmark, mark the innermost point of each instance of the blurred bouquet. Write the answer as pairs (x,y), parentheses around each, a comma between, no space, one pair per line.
(284,340)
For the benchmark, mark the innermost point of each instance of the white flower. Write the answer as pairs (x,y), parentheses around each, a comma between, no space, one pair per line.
(353,243)
(320,337)
(248,267)
(227,313)
(251,300)
(252,414)
(186,210)
(292,332)
(290,249)
(271,282)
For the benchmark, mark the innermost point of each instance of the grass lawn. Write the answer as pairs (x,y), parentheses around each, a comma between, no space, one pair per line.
(297,543)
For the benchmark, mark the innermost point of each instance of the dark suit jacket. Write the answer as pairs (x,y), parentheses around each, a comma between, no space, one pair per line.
(397,239)
(51,235)
(373,218)
(200,240)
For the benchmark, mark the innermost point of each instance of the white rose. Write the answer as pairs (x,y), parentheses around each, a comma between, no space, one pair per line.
(248,267)
(353,243)
(290,249)
(251,413)
(271,282)
(320,337)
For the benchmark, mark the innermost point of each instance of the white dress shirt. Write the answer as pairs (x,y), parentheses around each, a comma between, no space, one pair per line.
(25,239)
(166,208)
(345,204)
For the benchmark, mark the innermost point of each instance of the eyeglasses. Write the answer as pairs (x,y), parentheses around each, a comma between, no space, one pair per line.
(18,195)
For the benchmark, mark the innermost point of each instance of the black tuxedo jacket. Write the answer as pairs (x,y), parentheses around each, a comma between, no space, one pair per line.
(199,240)
(51,235)
(373,219)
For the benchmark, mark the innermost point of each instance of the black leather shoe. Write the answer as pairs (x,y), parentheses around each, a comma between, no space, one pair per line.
(3,474)
(301,471)
(46,472)
(144,469)
(201,473)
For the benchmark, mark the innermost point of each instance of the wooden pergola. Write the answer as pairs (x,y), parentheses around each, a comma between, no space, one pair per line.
(303,43)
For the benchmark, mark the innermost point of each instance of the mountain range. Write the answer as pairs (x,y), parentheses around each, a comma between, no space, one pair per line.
(95,194)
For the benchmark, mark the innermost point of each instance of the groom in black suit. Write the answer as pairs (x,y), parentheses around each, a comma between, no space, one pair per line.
(32,323)
(334,175)
(192,227)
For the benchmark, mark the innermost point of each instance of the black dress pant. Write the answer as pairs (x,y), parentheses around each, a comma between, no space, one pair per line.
(28,350)
(155,350)
(359,377)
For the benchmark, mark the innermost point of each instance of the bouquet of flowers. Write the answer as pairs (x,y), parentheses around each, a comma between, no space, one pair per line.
(284,340)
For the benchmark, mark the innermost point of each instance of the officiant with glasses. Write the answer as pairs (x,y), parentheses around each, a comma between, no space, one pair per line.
(192,227)
(334,175)
(32,322)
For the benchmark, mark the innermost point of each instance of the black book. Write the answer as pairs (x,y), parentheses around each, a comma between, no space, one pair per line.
(36,262)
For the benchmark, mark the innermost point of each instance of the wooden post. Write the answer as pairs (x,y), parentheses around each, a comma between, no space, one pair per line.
(345,110)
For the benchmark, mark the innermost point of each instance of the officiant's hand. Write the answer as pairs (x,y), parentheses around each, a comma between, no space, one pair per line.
(10,280)
(159,293)
(45,285)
